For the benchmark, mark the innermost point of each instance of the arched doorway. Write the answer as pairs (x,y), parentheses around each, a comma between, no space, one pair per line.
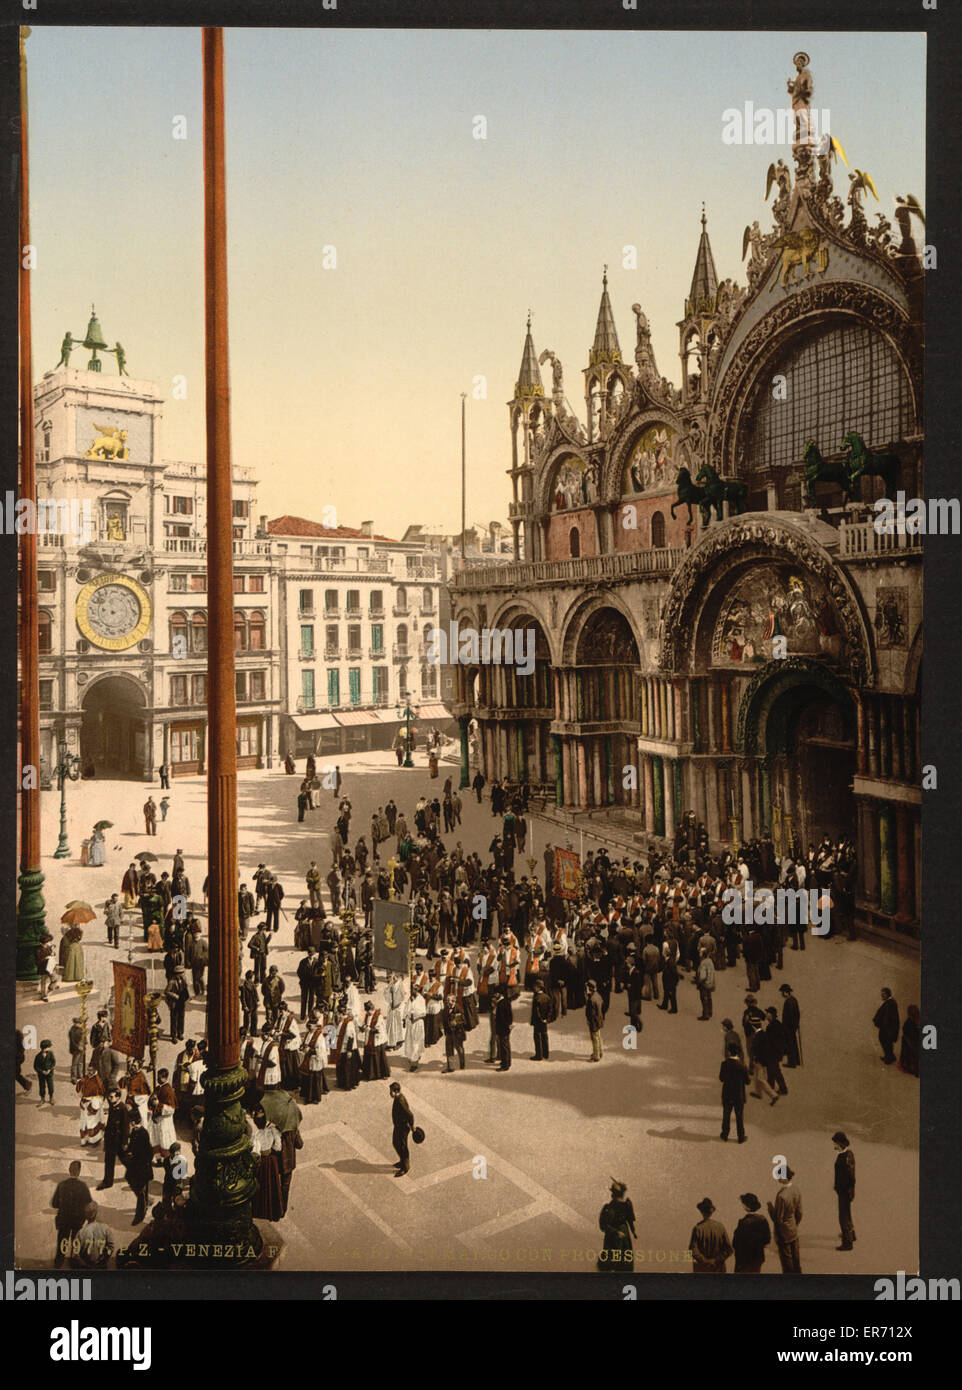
(115,732)
(602,699)
(800,719)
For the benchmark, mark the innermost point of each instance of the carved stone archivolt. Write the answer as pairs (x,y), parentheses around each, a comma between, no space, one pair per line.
(728,547)
(810,304)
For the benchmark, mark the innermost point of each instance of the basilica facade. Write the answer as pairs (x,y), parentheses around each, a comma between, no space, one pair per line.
(760,667)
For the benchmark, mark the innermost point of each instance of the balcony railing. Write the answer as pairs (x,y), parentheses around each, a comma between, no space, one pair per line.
(402,653)
(859,540)
(352,564)
(375,614)
(303,655)
(332,653)
(617,565)
(377,654)
(354,654)
(197,545)
(400,610)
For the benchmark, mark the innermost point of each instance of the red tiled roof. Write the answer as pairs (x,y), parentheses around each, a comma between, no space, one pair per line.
(300,526)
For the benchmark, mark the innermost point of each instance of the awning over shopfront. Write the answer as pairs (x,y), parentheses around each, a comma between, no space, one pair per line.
(433,712)
(310,723)
(356,716)
(386,716)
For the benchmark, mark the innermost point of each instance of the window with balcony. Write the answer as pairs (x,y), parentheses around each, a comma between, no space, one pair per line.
(330,601)
(400,599)
(307,689)
(354,640)
(427,600)
(377,637)
(305,601)
(333,688)
(354,684)
(353,601)
(657,530)
(377,603)
(307,639)
(331,639)
(402,639)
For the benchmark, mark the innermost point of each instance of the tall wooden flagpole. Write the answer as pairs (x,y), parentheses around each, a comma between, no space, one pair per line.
(224,1182)
(31,915)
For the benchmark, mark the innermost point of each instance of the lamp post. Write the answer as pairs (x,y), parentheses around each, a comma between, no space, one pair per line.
(407,714)
(68,766)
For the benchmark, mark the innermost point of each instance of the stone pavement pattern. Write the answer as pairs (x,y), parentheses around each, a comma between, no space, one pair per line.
(547,1137)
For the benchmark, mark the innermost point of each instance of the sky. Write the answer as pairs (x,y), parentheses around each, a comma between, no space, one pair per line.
(346,382)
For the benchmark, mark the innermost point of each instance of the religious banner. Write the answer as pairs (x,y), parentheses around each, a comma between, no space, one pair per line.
(567,866)
(130,1010)
(391,943)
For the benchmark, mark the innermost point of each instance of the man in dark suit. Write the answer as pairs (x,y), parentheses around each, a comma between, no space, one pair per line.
(403,1122)
(844,1188)
(791,1025)
(886,1020)
(70,1201)
(138,1161)
(245,910)
(503,1022)
(734,1079)
(750,1237)
(116,1132)
(273,901)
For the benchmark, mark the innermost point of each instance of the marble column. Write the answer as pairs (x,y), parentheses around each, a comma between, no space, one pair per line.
(559,777)
(658,777)
(873,724)
(679,710)
(597,773)
(670,817)
(885,736)
(905,854)
(649,792)
(910,769)
(888,872)
(582,774)
(898,743)
(725,731)
(862,751)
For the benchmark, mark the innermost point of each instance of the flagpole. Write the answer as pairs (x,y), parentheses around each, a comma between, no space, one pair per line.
(224,1183)
(464,476)
(31,912)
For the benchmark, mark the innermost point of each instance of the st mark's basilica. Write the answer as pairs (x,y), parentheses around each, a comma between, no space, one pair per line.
(753,653)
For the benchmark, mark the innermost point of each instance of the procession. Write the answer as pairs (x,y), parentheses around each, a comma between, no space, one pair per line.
(522,950)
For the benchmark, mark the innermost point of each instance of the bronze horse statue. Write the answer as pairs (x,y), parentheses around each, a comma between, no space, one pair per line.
(864,462)
(719,490)
(687,494)
(821,470)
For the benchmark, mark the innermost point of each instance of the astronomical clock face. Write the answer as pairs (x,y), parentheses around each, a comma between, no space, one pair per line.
(113,612)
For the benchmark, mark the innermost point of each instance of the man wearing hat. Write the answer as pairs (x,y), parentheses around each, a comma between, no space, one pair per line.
(734,1081)
(595,1017)
(176,995)
(617,1222)
(558,979)
(750,1237)
(709,1244)
(75,1041)
(791,1027)
(403,1122)
(503,1020)
(844,1187)
(786,1214)
(634,985)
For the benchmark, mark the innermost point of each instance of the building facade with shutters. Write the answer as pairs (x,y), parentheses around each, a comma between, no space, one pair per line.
(762,670)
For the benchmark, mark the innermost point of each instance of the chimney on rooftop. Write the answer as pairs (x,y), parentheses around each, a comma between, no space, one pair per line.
(367,528)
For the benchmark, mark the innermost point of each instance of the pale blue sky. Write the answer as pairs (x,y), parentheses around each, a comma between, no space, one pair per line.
(346,383)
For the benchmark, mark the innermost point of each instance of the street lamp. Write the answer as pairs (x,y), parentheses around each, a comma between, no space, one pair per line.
(68,765)
(407,714)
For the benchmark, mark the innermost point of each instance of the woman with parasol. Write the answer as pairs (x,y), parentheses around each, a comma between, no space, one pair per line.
(97,849)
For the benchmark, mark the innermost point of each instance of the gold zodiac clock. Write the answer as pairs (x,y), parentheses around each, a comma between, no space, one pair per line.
(113,612)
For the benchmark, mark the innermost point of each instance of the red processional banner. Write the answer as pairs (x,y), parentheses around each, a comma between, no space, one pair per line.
(130,1010)
(567,866)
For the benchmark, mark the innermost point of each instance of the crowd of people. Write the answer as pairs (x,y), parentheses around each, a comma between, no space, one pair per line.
(488,940)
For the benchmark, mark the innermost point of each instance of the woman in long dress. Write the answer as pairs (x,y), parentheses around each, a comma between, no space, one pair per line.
(268,1204)
(73,964)
(414,1012)
(97,850)
(395,1014)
